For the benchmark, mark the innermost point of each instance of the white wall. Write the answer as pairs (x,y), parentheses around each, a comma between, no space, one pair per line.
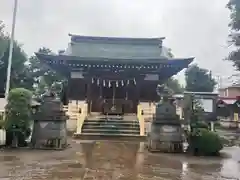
(2,137)
(3,103)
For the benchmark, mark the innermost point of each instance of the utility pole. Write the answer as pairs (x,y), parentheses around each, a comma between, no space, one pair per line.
(11,49)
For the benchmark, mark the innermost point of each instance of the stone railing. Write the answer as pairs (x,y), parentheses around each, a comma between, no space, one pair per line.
(81,117)
(2,131)
(148,111)
(73,109)
(2,114)
(141,120)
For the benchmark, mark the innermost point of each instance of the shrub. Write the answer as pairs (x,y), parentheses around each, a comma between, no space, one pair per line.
(18,112)
(205,142)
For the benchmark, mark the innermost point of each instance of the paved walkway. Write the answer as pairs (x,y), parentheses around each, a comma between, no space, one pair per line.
(108,160)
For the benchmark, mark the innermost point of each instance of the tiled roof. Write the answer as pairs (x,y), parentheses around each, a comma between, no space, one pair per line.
(115,40)
(115,47)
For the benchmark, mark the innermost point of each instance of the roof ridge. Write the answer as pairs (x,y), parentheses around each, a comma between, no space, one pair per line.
(115,37)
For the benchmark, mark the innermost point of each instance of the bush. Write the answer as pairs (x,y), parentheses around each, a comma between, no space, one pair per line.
(205,142)
(18,112)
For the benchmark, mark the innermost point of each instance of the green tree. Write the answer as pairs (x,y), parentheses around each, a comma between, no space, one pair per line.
(20,76)
(174,85)
(18,114)
(199,80)
(44,76)
(234,36)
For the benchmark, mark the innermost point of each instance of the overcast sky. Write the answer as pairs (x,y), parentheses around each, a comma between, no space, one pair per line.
(193,28)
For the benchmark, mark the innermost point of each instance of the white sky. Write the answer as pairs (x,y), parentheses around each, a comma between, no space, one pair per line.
(193,28)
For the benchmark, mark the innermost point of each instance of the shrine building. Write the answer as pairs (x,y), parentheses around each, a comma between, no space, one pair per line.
(113,75)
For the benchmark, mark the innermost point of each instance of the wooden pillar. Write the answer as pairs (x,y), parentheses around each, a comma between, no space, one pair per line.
(137,96)
(88,98)
(138,91)
(100,91)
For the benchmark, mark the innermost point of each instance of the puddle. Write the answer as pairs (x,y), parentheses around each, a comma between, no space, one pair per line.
(116,160)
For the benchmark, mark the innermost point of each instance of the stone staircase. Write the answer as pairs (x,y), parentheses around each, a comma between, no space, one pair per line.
(97,124)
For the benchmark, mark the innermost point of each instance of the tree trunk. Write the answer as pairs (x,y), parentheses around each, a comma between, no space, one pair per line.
(14,140)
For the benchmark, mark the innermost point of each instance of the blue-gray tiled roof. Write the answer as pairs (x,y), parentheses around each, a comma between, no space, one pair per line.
(114,47)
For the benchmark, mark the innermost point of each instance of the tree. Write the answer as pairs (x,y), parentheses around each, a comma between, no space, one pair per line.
(174,85)
(199,80)
(18,114)
(20,76)
(45,77)
(234,36)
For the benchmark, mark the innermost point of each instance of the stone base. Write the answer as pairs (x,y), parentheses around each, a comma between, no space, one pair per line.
(166,147)
(51,144)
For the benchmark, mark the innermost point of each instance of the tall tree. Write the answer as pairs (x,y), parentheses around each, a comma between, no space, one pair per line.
(174,85)
(44,76)
(199,80)
(234,36)
(20,76)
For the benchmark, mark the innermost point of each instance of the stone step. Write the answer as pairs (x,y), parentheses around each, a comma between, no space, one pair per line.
(110,126)
(111,131)
(114,137)
(111,121)
(127,117)
(123,124)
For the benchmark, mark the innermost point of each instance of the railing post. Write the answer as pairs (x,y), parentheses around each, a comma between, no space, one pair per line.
(141,120)
(81,116)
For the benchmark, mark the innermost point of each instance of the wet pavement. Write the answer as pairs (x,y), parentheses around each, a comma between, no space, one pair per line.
(110,160)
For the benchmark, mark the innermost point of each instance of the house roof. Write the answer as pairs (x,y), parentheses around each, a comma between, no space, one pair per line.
(234,85)
(227,101)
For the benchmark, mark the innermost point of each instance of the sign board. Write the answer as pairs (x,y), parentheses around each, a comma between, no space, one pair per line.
(76,75)
(151,77)
(235,116)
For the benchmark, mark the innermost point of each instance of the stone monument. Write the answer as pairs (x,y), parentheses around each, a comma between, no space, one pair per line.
(49,130)
(166,133)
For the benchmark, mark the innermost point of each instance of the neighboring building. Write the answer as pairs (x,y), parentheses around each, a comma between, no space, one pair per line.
(3,103)
(231,91)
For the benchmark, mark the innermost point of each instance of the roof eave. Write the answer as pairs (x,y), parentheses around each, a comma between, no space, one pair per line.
(43,56)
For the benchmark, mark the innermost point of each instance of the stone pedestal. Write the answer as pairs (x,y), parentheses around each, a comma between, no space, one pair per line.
(166,133)
(49,130)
